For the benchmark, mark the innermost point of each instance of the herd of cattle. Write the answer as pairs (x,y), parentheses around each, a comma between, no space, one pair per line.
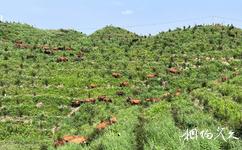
(79,56)
(132,101)
(103,98)
(50,50)
(82,139)
(104,124)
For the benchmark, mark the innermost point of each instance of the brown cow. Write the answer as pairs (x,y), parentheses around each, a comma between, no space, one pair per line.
(69,49)
(104,98)
(88,100)
(151,75)
(178,92)
(77,103)
(116,75)
(71,139)
(59,142)
(133,101)
(18,42)
(173,70)
(55,49)
(75,139)
(78,140)
(21,45)
(152,99)
(104,124)
(113,120)
(58,48)
(62,59)
(124,84)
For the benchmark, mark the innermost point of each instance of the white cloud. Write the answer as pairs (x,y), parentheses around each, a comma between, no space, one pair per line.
(127,12)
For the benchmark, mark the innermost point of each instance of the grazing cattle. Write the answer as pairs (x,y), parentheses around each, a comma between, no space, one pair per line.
(104,124)
(178,92)
(124,84)
(67,138)
(120,93)
(75,139)
(77,103)
(24,46)
(70,139)
(18,42)
(55,49)
(61,48)
(62,59)
(21,45)
(133,101)
(224,78)
(92,86)
(113,120)
(88,100)
(104,98)
(58,48)
(69,49)
(173,70)
(78,140)
(151,75)
(59,142)
(116,75)
(152,99)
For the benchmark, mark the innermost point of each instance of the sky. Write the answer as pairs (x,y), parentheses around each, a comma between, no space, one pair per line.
(139,16)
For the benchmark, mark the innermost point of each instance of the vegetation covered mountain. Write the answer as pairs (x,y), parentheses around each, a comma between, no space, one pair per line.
(117,90)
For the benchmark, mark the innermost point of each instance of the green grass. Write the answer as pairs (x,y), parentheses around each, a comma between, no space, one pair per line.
(203,54)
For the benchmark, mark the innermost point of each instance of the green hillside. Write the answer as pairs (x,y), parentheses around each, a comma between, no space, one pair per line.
(157,87)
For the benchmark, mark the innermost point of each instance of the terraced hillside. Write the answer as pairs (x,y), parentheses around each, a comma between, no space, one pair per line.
(118,90)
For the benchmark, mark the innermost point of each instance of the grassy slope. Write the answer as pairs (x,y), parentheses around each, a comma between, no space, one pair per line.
(204,54)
